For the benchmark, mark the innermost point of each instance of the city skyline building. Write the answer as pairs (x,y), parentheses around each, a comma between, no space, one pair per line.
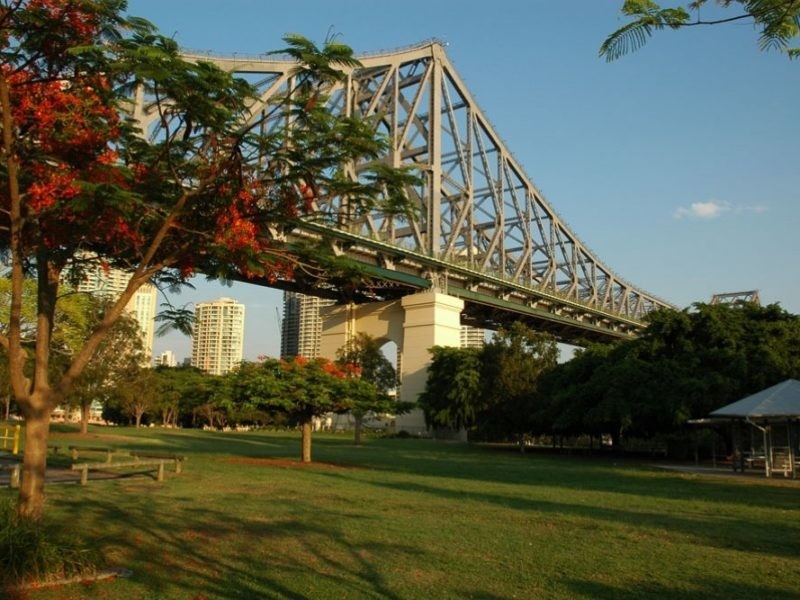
(166,359)
(111,283)
(472,337)
(218,337)
(301,326)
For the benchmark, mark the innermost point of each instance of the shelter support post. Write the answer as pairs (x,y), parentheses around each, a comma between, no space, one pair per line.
(714,449)
(792,462)
(767,452)
(738,462)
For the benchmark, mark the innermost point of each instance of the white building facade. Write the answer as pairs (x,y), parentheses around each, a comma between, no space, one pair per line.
(166,359)
(218,338)
(111,283)
(472,337)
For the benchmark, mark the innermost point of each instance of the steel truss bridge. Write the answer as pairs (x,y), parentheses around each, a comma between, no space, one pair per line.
(484,232)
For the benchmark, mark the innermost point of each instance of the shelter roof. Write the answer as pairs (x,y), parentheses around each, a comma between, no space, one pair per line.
(780,400)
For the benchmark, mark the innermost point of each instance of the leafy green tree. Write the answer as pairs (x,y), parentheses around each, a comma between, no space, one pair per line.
(570,391)
(215,404)
(376,376)
(513,364)
(209,191)
(299,388)
(778,22)
(110,368)
(452,396)
(140,395)
(178,389)
(255,389)
(364,352)
(686,364)
(70,323)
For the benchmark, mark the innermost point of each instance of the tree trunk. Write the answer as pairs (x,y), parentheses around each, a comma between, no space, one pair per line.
(8,407)
(616,440)
(138,417)
(84,418)
(305,452)
(521,442)
(359,422)
(34,464)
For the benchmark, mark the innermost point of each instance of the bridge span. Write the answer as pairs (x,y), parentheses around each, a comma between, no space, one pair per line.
(486,247)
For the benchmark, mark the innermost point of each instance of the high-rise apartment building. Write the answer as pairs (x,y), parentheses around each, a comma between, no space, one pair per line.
(166,359)
(218,339)
(301,329)
(472,337)
(111,283)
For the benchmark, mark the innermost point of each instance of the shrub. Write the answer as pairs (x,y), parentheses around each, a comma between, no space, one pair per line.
(403,435)
(30,552)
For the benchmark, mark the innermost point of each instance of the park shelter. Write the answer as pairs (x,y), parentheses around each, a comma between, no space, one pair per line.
(773,415)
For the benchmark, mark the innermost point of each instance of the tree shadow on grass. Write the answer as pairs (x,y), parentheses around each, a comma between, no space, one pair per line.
(600,474)
(719,531)
(193,553)
(478,463)
(692,589)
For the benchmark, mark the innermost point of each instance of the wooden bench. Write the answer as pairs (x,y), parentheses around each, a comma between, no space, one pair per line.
(108,451)
(84,468)
(16,470)
(176,458)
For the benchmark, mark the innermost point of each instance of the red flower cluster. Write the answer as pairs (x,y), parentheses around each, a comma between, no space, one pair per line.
(51,185)
(78,23)
(326,365)
(64,118)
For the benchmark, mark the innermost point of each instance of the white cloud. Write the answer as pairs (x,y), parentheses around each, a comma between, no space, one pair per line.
(714,209)
(702,210)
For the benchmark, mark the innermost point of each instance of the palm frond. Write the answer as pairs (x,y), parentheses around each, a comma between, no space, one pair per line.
(627,38)
(175,319)
(632,36)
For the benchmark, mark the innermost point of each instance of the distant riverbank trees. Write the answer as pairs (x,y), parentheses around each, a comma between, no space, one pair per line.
(271,392)
(684,365)
(493,391)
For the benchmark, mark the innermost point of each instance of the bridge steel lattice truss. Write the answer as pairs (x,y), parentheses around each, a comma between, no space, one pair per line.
(484,232)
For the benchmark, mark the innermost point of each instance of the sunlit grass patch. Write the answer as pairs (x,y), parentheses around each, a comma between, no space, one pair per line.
(405,518)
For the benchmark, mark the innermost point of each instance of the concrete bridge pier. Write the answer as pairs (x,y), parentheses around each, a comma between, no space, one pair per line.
(414,323)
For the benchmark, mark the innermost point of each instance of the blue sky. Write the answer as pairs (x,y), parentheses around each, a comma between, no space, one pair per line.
(677,165)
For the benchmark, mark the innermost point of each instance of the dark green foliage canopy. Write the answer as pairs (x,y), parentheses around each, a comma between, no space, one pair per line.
(493,389)
(453,390)
(685,365)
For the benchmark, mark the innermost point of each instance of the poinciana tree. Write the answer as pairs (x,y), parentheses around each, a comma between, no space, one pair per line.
(300,388)
(375,377)
(311,389)
(210,191)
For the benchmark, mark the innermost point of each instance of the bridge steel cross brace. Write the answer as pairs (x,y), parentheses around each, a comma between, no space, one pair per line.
(485,233)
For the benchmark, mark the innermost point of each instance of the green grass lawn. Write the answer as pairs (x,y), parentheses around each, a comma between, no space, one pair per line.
(401,518)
